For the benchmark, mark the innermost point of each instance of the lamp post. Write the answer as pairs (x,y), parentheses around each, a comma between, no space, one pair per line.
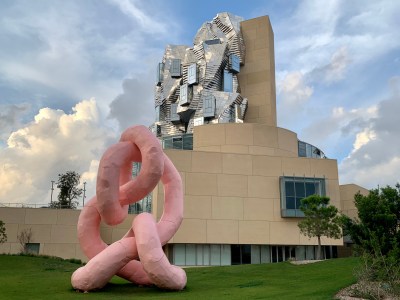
(52,189)
(84,192)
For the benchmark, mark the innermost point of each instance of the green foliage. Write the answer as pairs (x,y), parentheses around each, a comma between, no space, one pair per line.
(69,192)
(3,235)
(378,221)
(321,219)
(25,277)
(378,277)
(376,233)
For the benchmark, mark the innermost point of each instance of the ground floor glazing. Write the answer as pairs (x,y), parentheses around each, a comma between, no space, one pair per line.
(225,254)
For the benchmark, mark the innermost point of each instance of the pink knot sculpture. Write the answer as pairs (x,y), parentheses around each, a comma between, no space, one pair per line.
(138,256)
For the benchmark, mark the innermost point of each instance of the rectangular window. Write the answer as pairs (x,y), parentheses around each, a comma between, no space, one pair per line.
(238,114)
(185,95)
(179,254)
(160,73)
(190,255)
(158,118)
(209,106)
(32,248)
(294,189)
(173,113)
(192,74)
(302,149)
(158,130)
(228,81)
(215,255)
(175,69)
(234,63)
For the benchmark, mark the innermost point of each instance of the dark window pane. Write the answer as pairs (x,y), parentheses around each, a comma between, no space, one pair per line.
(290,203)
(310,189)
(289,188)
(246,254)
(298,202)
(274,254)
(177,143)
(175,69)
(300,192)
(235,254)
(280,256)
(228,82)
(302,149)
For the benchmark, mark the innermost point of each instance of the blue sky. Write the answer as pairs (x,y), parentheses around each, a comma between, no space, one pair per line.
(74,73)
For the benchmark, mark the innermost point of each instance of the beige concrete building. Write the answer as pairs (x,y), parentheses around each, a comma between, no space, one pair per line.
(243,182)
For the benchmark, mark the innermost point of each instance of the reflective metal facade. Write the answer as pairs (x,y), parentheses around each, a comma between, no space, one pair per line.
(198,85)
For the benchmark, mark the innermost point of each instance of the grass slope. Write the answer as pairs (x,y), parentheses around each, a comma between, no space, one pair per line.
(45,278)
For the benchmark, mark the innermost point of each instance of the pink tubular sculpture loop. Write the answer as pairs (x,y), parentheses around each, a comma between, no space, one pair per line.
(138,256)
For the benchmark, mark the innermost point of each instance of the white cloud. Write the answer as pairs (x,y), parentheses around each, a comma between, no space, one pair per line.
(59,53)
(145,21)
(363,138)
(136,103)
(334,70)
(322,33)
(55,142)
(327,131)
(375,157)
(294,90)
(10,117)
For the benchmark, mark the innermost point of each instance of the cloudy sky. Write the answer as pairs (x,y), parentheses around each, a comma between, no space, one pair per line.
(73,74)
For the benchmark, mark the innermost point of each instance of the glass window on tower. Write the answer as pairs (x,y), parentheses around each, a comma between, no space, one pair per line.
(160,73)
(234,63)
(158,113)
(294,189)
(192,74)
(228,81)
(185,95)
(174,116)
(209,106)
(175,69)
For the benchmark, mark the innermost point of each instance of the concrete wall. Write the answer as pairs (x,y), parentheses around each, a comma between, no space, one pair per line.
(246,138)
(257,76)
(347,192)
(54,229)
(234,197)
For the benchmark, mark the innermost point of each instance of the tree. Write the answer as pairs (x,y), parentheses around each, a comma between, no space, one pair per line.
(321,219)
(69,192)
(24,238)
(378,222)
(3,235)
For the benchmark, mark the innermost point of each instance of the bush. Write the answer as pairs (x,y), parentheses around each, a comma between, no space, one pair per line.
(379,275)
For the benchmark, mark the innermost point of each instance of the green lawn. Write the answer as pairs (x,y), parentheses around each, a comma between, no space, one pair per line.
(24,277)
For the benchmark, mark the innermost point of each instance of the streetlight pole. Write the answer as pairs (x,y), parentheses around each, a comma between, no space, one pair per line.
(84,192)
(51,197)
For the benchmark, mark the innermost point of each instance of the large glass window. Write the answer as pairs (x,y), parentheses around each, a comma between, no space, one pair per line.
(32,248)
(175,68)
(180,142)
(158,117)
(143,205)
(174,116)
(185,95)
(240,254)
(209,106)
(228,81)
(160,73)
(293,189)
(234,63)
(308,150)
(192,74)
